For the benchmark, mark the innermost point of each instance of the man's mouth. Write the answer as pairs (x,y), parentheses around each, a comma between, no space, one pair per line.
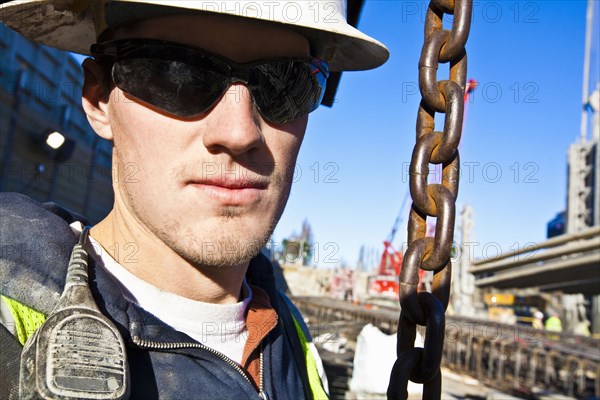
(230,191)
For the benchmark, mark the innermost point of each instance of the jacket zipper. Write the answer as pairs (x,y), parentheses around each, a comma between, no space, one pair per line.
(181,345)
(261,393)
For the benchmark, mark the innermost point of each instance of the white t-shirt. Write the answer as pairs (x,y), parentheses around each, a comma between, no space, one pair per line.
(220,326)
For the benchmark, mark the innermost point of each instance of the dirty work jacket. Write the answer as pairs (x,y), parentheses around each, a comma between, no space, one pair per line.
(35,246)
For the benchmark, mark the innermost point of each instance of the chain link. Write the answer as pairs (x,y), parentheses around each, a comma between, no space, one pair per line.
(437,200)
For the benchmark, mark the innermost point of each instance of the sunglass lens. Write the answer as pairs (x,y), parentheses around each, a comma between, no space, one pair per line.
(179,88)
(286,90)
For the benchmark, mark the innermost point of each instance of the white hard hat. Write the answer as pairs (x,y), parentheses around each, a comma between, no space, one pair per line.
(74,25)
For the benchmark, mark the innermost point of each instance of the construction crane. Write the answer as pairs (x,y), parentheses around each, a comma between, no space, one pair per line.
(384,284)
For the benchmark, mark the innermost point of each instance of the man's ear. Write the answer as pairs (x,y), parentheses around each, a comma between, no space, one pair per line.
(95,97)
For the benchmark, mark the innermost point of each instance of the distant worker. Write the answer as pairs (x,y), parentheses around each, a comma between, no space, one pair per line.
(538,320)
(553,323)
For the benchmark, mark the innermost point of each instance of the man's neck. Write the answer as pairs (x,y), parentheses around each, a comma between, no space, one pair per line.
(150,259)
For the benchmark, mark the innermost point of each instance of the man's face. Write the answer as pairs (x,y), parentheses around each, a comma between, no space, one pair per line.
(212,187)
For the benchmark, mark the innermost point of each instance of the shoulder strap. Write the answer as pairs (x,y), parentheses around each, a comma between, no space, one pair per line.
(314,378)
(299,334)
(10,356)
(289,327)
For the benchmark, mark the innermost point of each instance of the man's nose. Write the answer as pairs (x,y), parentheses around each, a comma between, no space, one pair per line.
(236,126)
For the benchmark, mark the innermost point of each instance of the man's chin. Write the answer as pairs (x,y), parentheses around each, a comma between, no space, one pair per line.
(228,244)
(225,254)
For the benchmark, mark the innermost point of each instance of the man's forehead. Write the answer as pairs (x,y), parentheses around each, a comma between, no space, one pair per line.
(235,38)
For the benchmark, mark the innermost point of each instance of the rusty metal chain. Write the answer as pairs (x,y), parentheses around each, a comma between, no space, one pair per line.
(437,200)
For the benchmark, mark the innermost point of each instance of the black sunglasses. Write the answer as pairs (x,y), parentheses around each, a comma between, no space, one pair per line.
(185,81)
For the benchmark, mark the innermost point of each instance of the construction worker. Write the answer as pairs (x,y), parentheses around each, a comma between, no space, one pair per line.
(553,323)
(538,320)
(177,86)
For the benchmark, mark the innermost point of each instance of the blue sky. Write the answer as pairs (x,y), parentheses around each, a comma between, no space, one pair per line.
(351,173)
